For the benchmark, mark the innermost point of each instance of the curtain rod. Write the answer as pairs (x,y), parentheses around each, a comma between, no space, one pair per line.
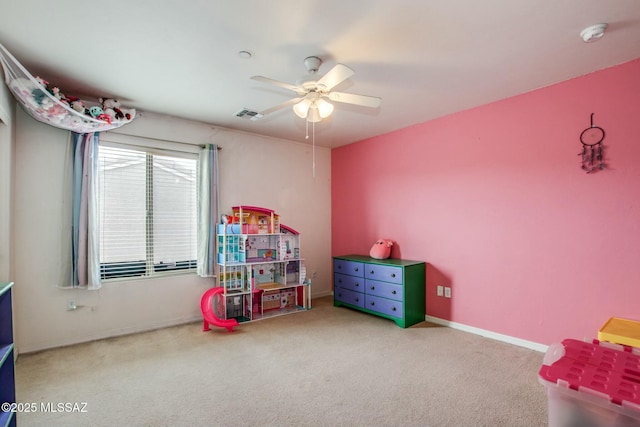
(164,140)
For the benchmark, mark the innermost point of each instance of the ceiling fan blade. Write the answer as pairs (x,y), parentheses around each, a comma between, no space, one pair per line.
(296,89)
(351,98)
(281,106)
(335,76)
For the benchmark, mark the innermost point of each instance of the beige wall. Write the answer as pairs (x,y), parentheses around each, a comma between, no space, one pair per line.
(254,170)
(6,177)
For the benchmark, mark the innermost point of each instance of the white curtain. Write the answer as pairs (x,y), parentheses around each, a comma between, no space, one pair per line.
(207,209)
(85,255)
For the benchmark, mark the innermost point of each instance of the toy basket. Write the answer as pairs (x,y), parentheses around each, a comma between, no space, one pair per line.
(43,106)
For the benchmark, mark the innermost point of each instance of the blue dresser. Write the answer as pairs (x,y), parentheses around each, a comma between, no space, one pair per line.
(389,288)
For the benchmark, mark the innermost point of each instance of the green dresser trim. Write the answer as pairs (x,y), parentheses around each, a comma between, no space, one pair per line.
(369,260)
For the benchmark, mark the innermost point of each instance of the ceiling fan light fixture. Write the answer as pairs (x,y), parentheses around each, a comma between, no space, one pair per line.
(324,108)
(314,115)
(302,108)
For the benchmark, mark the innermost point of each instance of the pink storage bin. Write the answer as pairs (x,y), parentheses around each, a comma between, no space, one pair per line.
(592,384)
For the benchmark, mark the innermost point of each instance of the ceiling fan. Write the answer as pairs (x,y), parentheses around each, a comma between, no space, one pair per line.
(311,103)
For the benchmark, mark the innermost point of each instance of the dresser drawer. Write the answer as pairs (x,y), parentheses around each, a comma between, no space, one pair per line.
(384,289)
(383,305)
(349,282)
(349,297)
(352,268)
(384,272)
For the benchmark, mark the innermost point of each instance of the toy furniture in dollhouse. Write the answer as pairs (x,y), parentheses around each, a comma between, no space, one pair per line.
(260,268)
(256,220)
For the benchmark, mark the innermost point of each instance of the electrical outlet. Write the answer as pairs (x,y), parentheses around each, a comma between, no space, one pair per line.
(447,292)
(71,305)
(440,290)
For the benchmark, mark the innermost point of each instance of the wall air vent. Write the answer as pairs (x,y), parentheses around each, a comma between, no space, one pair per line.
(248,114)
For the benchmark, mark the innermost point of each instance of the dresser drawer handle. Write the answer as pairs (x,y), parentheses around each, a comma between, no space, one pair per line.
(340,267)
(356,269)
(373,303)
(393,309)
(339,294)
(340,281)
(357,299)
(393,292)
(371,272)
(393,274)
(373,288)
(357,284)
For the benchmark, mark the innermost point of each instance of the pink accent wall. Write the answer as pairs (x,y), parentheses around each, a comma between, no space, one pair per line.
(495,201)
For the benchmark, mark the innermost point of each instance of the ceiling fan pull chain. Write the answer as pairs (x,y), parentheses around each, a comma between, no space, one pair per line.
(313,149)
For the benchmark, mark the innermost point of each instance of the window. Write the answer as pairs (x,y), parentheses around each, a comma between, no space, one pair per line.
(148,213)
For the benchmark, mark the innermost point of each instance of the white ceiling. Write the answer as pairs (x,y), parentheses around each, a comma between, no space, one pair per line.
(424,58)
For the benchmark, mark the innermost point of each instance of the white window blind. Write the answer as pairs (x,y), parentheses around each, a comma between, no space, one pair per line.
(148,213)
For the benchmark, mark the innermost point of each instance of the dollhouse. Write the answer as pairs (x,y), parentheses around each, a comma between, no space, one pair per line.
(260,270)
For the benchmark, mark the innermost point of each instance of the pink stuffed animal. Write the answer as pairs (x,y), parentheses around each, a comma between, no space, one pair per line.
(381,249)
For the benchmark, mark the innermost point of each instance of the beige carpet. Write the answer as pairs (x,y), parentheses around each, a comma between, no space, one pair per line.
(324,367)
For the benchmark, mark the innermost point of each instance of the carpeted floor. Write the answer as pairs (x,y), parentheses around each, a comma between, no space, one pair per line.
(324,367)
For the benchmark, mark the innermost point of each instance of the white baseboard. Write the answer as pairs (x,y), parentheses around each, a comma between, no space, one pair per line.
(26,349)
(32,348)
(489,334)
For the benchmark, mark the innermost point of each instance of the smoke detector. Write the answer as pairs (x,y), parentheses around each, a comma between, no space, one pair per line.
(593,33)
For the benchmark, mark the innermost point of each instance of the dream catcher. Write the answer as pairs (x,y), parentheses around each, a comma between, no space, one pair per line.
(592,149)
